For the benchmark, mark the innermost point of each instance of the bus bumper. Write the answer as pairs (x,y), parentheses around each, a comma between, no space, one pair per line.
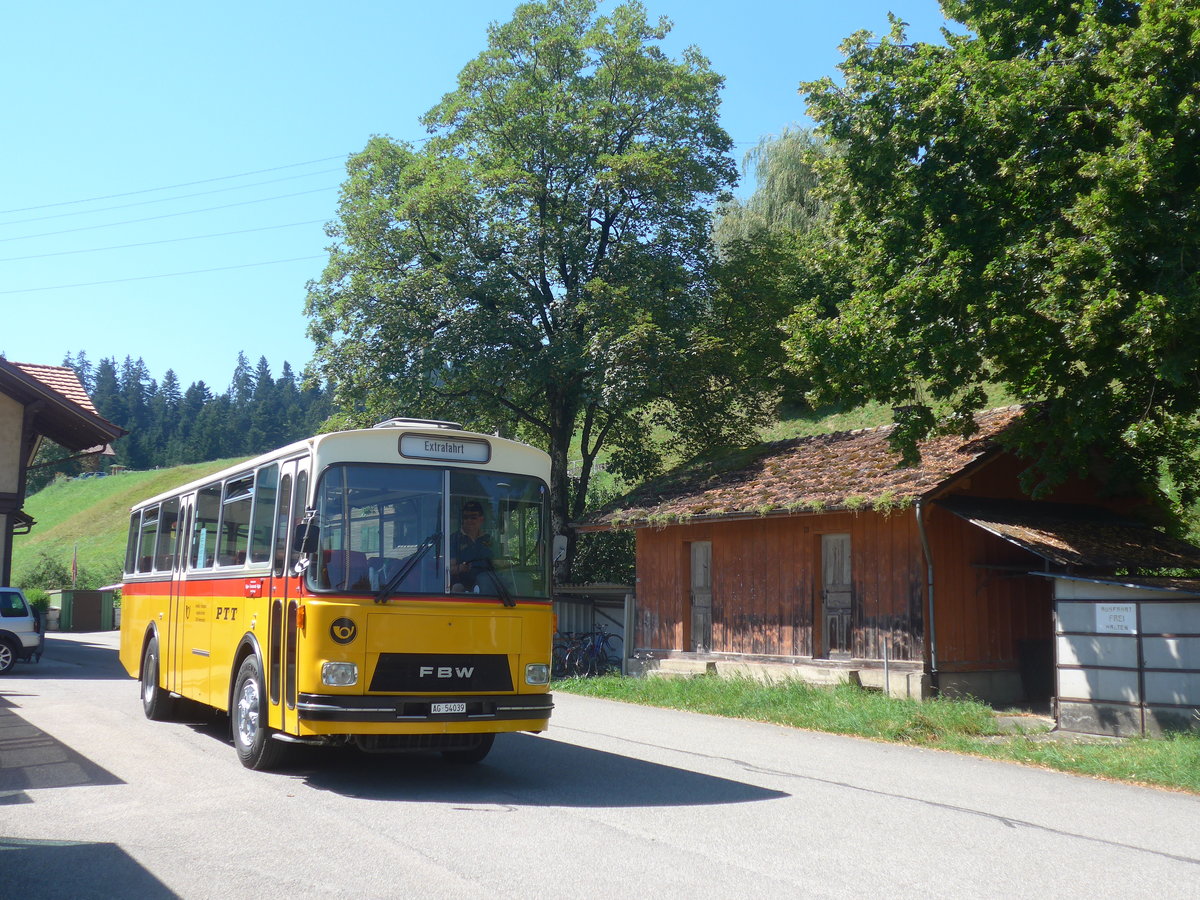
(520,712)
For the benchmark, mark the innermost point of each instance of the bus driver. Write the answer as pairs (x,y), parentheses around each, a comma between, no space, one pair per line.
(470,549)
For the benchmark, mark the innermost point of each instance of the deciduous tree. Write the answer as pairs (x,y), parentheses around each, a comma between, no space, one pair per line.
(1022,205)
(539,265)
(786,198)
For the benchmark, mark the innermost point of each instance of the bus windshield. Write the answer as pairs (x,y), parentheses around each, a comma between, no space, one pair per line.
(388,530)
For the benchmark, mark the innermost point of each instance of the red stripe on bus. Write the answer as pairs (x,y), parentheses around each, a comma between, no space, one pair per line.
(235,587)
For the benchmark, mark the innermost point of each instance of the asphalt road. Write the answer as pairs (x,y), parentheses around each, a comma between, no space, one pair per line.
(615,801)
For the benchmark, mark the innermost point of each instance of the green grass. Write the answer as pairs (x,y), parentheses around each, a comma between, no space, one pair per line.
(958,726)
(1171,762)
(93,515)
(872,415)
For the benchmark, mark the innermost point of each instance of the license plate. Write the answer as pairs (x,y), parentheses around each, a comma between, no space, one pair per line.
(442,708)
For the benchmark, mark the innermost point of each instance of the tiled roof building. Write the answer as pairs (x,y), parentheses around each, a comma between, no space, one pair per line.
(39,403)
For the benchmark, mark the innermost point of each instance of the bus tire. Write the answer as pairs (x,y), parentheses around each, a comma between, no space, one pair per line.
(248,720)
(473,755)
(156,703)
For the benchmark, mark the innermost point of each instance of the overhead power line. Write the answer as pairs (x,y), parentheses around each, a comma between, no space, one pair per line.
(194,237)
(170,187)
(236,187)
(59,287)
(188,212)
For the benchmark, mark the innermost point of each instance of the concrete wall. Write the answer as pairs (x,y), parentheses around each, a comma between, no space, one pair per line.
(1002,688)
(905,680)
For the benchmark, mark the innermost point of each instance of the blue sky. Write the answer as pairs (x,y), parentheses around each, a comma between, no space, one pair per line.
(167,168)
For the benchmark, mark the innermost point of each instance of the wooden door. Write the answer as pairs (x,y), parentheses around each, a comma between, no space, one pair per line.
(837,594)
(701,595)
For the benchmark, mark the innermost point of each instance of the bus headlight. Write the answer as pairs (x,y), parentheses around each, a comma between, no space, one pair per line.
(339,674)
(537,673)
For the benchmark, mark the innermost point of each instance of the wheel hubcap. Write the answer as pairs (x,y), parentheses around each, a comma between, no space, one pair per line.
(247,712)
(6,656)
(149,677)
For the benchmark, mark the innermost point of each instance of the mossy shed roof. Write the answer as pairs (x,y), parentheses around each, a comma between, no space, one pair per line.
(1075,536)
(843,470)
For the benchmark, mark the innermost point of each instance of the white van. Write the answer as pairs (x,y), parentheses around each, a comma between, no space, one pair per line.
(21,634)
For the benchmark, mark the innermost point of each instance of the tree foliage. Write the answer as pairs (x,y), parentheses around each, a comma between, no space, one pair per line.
(1021,206)
(786,198)
(604,556)
(48,572)
(773,253)
(539,266)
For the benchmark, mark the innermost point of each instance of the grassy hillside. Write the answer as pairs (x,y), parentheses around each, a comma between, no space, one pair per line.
(92,514)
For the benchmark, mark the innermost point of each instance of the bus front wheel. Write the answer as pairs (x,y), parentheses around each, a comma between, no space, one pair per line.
(156,703)
(251,736)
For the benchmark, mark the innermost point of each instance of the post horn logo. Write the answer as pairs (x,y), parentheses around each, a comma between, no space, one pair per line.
(343,631)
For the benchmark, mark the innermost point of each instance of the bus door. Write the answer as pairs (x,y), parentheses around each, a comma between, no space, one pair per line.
(282,638)
(172,651)
(196,603)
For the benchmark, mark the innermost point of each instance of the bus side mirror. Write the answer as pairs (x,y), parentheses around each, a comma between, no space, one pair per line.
(558,549)
(306,538)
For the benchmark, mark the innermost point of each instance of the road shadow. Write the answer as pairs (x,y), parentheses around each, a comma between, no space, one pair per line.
(39,870)
(77,658)
(30,758)
(522,770)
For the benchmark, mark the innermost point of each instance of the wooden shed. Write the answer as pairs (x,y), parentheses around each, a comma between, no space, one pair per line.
(826,558)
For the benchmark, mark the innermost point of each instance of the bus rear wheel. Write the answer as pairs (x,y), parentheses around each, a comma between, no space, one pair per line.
(156,703)
(248,718)
(474,754)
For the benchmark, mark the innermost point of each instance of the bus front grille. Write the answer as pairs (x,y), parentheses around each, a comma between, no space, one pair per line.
(464,673)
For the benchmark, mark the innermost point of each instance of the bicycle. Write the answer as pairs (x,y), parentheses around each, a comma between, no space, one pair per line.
(564,643)
(586,654)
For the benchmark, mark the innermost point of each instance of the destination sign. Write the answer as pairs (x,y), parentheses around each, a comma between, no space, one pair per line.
(429,446)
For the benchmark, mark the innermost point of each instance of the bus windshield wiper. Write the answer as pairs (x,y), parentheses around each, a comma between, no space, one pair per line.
(396,580)
(505,596)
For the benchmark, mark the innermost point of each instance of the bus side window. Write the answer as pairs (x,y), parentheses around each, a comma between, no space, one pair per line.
(235,521)
(266,483)
(301,496)
(135,528)
(282,518)
(149,531)
(204,532)
(164,555)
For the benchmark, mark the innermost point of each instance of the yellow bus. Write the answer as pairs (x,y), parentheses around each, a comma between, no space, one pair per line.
(386,587)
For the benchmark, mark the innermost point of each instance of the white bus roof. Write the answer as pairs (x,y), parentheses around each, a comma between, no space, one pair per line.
(371,445)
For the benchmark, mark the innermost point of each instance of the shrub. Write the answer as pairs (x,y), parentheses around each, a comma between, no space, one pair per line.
(38,599)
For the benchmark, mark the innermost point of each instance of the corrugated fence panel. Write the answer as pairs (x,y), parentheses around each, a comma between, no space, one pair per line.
(1128,658)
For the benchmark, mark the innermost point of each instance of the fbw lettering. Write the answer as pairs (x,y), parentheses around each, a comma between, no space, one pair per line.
(447,672)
